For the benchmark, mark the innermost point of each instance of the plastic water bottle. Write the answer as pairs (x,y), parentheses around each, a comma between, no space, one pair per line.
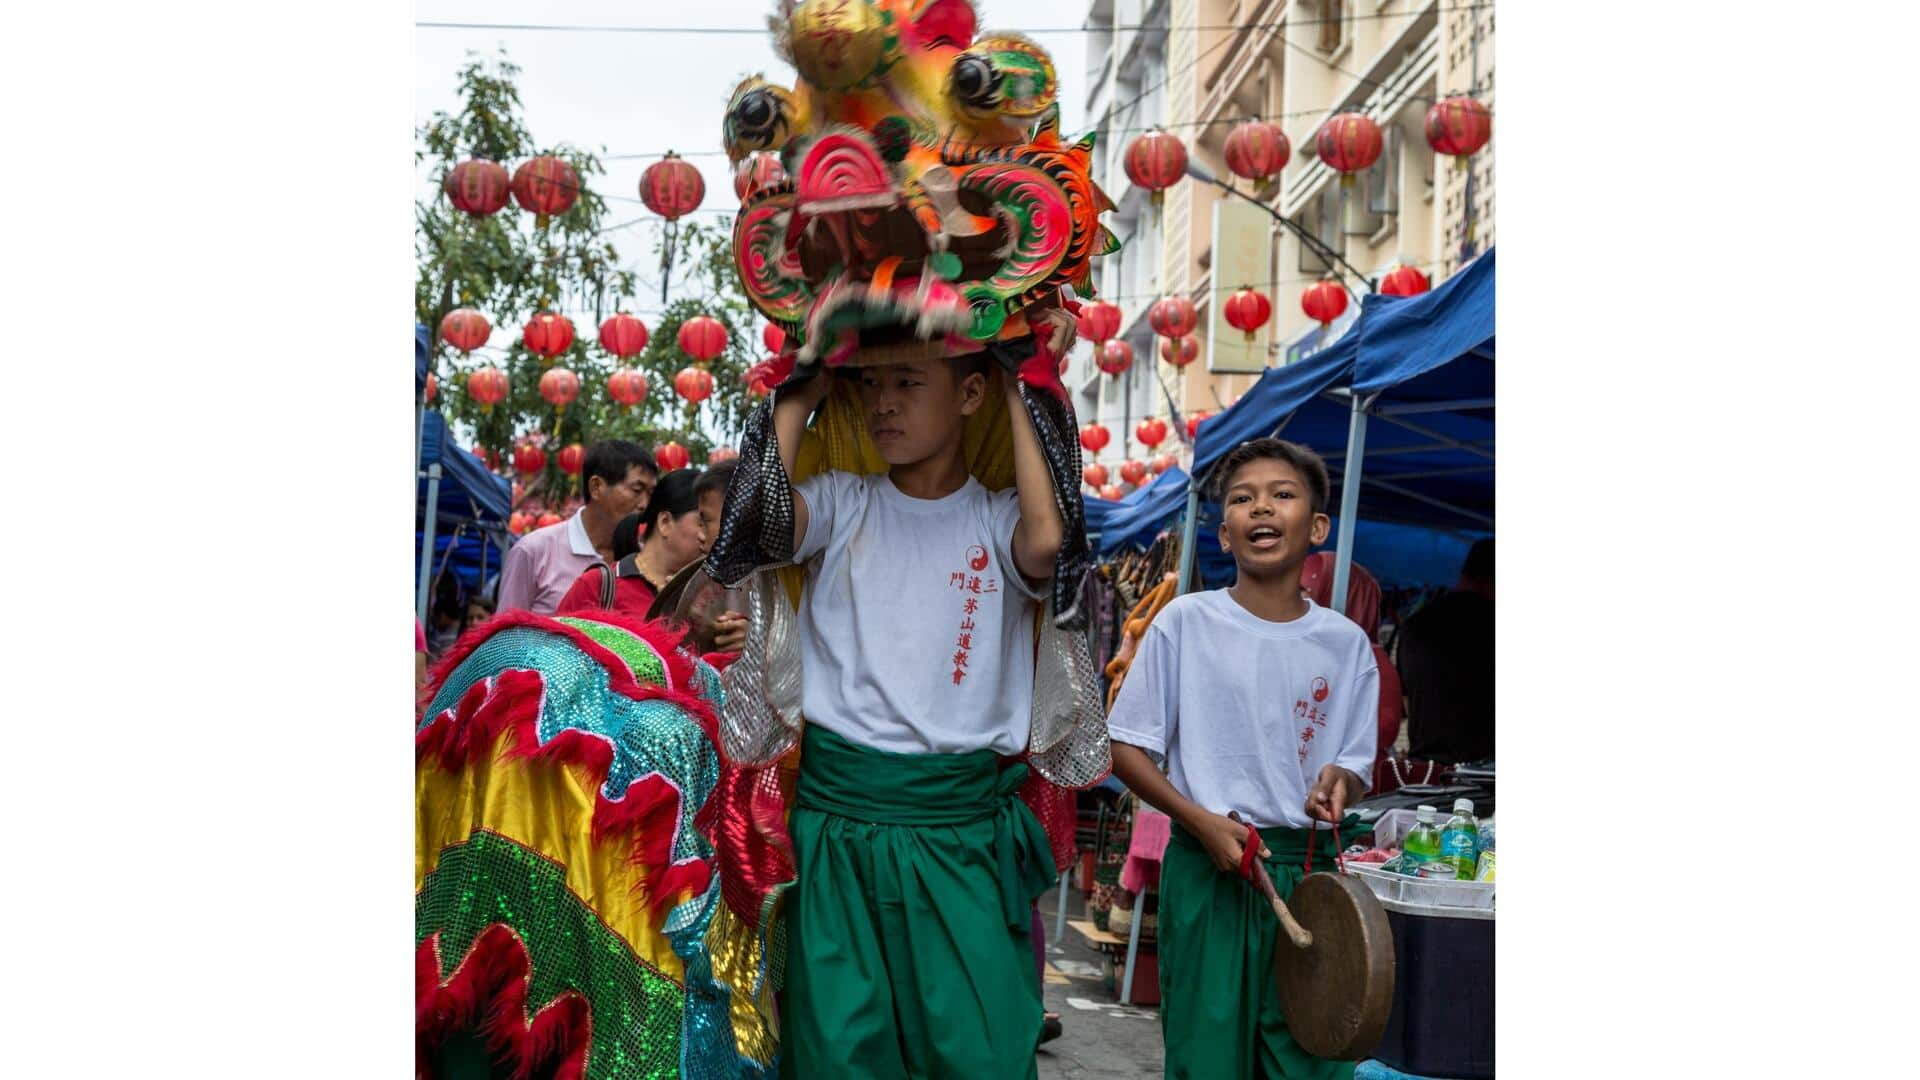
(1421,846)
(1460,840)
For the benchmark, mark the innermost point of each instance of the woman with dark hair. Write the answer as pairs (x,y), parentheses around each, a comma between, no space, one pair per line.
(639,572)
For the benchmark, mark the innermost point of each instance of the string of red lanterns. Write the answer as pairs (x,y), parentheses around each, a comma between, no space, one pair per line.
(1114,356)
(623,335)
(1179,352)
(1247,311)
(1094,475)
(1151,432)
(1404,281)
(545,186)
(1094,437)
(1324,301)
(1173,317)
(548,335)
(671,456)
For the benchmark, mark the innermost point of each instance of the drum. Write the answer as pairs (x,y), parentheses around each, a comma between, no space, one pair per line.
(1337,992)
(1334,965)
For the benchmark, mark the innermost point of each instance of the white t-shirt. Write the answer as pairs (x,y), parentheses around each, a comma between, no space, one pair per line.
(1245,712)
(916,627)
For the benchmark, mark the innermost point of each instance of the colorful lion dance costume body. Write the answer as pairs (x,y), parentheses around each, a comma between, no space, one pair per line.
(572,917)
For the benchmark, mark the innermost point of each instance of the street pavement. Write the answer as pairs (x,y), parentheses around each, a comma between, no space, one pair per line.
(1100,1038)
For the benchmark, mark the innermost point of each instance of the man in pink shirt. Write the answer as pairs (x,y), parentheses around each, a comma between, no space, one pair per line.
(619,478)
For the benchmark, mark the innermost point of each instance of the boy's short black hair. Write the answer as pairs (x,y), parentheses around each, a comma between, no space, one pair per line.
(1304,461)
(715,478)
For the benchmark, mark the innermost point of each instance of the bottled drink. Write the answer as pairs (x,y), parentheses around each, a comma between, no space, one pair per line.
(1460,840)
(1421,846)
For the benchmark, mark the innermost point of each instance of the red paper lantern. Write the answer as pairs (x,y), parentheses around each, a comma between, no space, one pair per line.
(774,338)
(545,186)
(1095,438)
(1349,143)
(1404,281)
(1193,424)
(477,187)
(571,459)
(488,386)
(560,387)
(465,329)
(1257,150)
(628,387)
(1173,317)
(757,173)
(1099,321)
(1324,301)
(672,188)
(433,387)
(1095,475)
(1111,493)
(548,518)
(1179,351)
(671,456)
(703,337)
(1114,356)
(694,384)
(720,454)
(1133,472)
(528,459)
(1151,432)
(492,459)
(623,335)
(518,523)
(1155,161)
(1247,311)
(1164,462)
(1458,126)
(548,335)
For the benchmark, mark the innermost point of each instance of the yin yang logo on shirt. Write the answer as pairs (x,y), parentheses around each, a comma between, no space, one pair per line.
(977,558)
(1319,688)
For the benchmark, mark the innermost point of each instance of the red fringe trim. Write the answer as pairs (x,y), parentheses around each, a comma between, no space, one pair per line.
(487,993)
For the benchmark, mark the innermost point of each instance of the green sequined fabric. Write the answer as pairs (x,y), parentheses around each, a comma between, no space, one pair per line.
(489,879)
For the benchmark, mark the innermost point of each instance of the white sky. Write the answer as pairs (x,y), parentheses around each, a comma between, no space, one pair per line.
(648,93)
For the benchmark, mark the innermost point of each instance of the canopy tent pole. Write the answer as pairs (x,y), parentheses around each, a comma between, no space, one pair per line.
(1189,532)
(1349,501)
(429,520)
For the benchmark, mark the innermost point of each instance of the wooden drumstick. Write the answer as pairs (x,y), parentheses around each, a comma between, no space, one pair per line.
(1300,936)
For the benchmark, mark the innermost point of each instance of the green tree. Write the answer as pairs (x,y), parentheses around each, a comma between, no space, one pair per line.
(508,267)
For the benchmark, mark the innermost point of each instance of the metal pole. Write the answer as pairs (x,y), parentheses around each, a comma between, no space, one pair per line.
(1189,536)
(1349,501)
(1060,909)
(1133,946)
(429,519)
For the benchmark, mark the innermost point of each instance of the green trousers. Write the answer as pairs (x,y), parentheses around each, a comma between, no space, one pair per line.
(908,928)
(1219,1011)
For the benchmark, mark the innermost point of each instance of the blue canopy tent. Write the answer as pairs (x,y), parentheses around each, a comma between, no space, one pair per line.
(1420,368)
(460,508)
(460,512)
(1136,518)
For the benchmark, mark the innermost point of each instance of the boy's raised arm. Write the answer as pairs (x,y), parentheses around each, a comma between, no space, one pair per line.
(791,408)
(1038,536)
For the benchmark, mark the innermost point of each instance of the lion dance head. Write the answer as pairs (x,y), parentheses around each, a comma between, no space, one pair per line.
(925,204)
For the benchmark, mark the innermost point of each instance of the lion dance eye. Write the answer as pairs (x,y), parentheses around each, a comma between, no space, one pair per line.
(974,82)
(760,118)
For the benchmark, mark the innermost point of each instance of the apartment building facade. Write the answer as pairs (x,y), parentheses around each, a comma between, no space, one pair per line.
(1294,63)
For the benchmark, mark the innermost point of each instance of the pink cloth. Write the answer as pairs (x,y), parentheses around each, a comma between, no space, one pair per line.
(1151,830)
(543,565)
(419,637)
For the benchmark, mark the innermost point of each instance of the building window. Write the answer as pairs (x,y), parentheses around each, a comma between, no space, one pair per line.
(1383,178)
(1333,18)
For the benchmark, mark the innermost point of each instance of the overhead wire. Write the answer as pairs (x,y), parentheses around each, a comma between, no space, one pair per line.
(762,29)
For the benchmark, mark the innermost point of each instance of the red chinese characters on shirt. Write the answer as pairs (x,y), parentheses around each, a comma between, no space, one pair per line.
(1312,714)
(970,583)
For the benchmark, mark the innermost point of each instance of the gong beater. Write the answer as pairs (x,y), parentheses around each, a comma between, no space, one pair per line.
(1335,971)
